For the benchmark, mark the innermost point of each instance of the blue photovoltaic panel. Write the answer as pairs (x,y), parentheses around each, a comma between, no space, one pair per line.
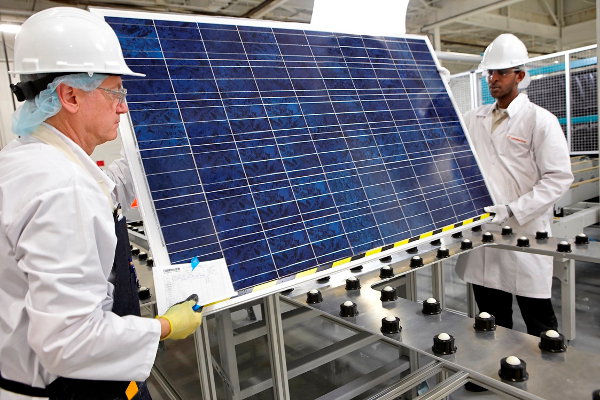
(282,149)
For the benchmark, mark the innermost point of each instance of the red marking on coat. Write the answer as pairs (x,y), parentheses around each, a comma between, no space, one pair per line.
(516,139)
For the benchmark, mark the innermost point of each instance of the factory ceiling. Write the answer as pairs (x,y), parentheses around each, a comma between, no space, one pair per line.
(464,26)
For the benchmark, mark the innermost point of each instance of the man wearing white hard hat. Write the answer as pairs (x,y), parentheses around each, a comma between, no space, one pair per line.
(70,328)
(524,157)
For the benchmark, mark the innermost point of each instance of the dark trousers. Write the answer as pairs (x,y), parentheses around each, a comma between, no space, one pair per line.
(538,314)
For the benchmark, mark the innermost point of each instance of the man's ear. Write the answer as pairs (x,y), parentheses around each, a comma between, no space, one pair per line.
(520,76)
(69,97)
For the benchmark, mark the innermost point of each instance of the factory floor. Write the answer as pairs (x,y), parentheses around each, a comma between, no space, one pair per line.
(178,360)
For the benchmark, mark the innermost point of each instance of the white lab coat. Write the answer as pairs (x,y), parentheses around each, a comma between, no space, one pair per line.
(57,245)
(527,166)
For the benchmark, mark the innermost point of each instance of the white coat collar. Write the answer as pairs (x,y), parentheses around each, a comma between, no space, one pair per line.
(80,157)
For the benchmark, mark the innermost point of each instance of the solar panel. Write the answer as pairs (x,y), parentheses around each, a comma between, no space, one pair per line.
(287,150)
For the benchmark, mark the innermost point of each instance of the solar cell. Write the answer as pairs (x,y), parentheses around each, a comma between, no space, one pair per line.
(284,150)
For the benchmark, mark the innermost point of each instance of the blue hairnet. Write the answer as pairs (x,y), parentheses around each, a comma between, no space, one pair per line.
(46,104)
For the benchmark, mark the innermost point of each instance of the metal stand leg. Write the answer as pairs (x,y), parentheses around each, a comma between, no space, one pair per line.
(442,376)
(229,371)
(437,283)
(164,384)
(471,303)
(277,348)
(204,357)
(415,364)
(564,270)
(411,286)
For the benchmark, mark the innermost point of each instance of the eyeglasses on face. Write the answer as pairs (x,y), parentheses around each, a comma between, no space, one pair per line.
(502,72)
(119,93)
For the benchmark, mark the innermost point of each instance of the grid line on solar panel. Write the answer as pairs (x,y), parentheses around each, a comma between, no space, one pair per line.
(198,238)
(273,238)
(298,113)
(374,69)
(320,146)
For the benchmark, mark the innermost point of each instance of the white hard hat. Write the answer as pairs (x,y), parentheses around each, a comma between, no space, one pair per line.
(506,51)
(68,40)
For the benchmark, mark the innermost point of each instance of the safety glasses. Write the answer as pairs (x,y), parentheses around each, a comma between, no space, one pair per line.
(502,72)
(119,93)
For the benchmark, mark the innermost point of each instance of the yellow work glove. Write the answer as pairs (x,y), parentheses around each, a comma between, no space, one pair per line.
(184,318)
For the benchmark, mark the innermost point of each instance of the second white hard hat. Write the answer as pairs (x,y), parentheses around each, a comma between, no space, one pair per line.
(68,40)
(505,51)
